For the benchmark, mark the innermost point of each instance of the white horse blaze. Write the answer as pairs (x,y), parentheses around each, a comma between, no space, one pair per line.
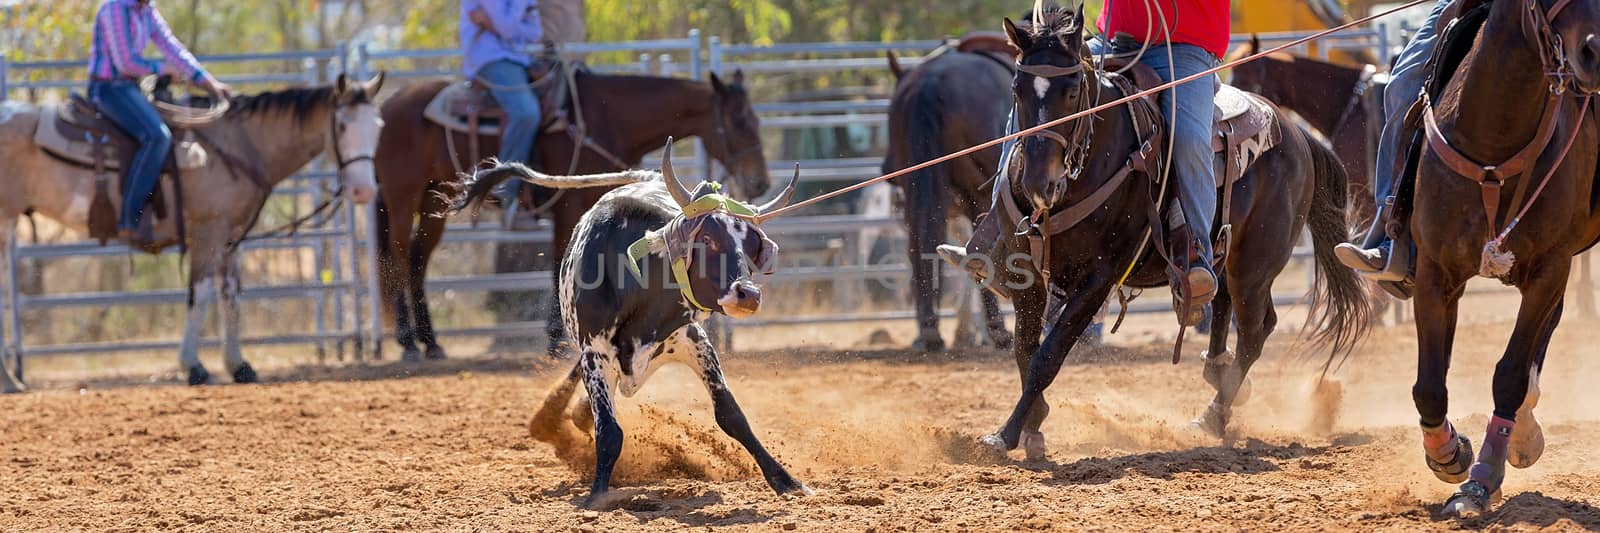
(1041,85)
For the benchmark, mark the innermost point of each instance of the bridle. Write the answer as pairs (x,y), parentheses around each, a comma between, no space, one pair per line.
(1076,147)
(338,152)
(1538,25)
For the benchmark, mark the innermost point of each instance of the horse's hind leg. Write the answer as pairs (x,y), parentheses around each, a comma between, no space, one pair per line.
(1251,302)
(8,380)
(1541,306)
(430,230)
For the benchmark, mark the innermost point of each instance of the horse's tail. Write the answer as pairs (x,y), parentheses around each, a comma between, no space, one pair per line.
(926,196)
(1341,312)
(477,185)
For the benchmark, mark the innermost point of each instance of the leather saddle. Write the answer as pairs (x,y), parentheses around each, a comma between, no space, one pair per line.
(78,133)
(1244,125)
(469,107)
(992,42)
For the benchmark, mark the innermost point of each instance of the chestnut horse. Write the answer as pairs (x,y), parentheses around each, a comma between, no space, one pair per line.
(628,116)
(1517,118)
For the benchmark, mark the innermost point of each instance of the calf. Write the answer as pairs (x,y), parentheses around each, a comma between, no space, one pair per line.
(646,266)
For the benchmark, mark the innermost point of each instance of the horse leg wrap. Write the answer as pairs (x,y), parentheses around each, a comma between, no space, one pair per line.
(1440,442)
(1491,468)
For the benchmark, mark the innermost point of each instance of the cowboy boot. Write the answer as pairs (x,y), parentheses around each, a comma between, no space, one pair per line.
(1372,255)
(1198,285)
(985,243)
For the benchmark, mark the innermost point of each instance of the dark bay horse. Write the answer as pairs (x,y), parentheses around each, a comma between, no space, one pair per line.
(1295,185)
(628,116)
(1344,103)
(1516,118)
(954,100)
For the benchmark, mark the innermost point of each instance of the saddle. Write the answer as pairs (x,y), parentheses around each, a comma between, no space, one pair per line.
(469,107)
(1244,125)
(78,133)
(991,42)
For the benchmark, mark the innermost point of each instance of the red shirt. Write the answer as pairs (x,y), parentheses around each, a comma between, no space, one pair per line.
(1203,23)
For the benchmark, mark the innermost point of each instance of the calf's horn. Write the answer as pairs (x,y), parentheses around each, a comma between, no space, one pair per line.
(675,188)
(783,198)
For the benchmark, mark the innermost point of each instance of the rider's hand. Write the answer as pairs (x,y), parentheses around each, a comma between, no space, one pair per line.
(480,18)
(220,91)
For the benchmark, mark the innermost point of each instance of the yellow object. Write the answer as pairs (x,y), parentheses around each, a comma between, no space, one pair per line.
(1268,16)
(327,276)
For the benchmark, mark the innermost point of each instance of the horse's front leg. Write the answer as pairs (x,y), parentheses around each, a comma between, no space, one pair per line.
(228,289)
(203,274)
(1047,360)
(1540,310)
(1438,295)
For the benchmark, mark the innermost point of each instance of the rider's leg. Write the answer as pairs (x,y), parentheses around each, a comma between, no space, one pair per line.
(508,81)
(986,233)
(126,105)
(1192,166)
(1405,83)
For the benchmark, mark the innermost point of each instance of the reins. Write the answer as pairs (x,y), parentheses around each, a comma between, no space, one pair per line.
(1092,110)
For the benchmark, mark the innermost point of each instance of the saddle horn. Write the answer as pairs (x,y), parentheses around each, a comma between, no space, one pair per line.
(674,187)
(782,200)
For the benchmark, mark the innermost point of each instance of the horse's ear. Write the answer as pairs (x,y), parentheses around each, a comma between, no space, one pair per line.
(341,85)
(1255,43)
(1017,36)
(894,65)
(717,85)
(738,77)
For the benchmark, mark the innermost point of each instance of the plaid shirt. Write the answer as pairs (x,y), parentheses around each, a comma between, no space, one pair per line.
(122,30)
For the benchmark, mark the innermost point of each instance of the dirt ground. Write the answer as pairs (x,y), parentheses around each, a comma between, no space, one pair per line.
(879,436)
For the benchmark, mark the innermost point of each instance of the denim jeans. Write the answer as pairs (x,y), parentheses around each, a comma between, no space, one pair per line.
(1192,164)
(508,81)
(124,103)
(1405,83)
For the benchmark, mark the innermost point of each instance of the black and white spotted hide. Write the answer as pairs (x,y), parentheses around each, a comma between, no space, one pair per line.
(628,325)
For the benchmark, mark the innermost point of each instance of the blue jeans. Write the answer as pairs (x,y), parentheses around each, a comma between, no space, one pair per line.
(1192,162)
(125,104)
(508,81)
(1405,83)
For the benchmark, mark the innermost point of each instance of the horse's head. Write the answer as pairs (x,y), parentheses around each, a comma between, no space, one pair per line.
(736,143)
(1050,83)
(724,245)
(354,136)
(1576,26)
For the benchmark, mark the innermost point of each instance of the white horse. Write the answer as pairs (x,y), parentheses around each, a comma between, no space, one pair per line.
(266,137)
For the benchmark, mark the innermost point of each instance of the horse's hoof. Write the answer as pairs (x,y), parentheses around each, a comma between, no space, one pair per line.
(13,386)
(411,354)
(993,442)
(245,374)
(435,352)
(790,485)
(1244,392)
(1454,471)
(928,344)
(1033,445)
(1473,499)
(1214,421)
(1527,441)
(199,376)
(1214,365)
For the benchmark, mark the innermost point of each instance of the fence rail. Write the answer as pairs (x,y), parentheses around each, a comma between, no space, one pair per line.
(347,305)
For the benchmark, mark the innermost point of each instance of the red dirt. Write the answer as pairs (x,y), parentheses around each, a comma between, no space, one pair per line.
(879,436)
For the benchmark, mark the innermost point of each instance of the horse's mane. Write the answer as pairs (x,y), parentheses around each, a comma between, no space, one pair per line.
(299,101)
(1055,21)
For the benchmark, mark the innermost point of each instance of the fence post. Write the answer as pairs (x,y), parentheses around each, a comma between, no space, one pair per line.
(5,78)
(1383,44)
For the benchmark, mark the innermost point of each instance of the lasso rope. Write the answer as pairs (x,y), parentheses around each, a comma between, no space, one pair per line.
(1096,109)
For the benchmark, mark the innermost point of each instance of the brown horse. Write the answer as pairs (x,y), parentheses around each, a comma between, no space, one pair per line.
(1516,118)
(954,100)
(628,116)
(277,133)
(1344,103)
(1111,204)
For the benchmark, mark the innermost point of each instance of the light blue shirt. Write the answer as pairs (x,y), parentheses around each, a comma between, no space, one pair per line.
(516,27)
